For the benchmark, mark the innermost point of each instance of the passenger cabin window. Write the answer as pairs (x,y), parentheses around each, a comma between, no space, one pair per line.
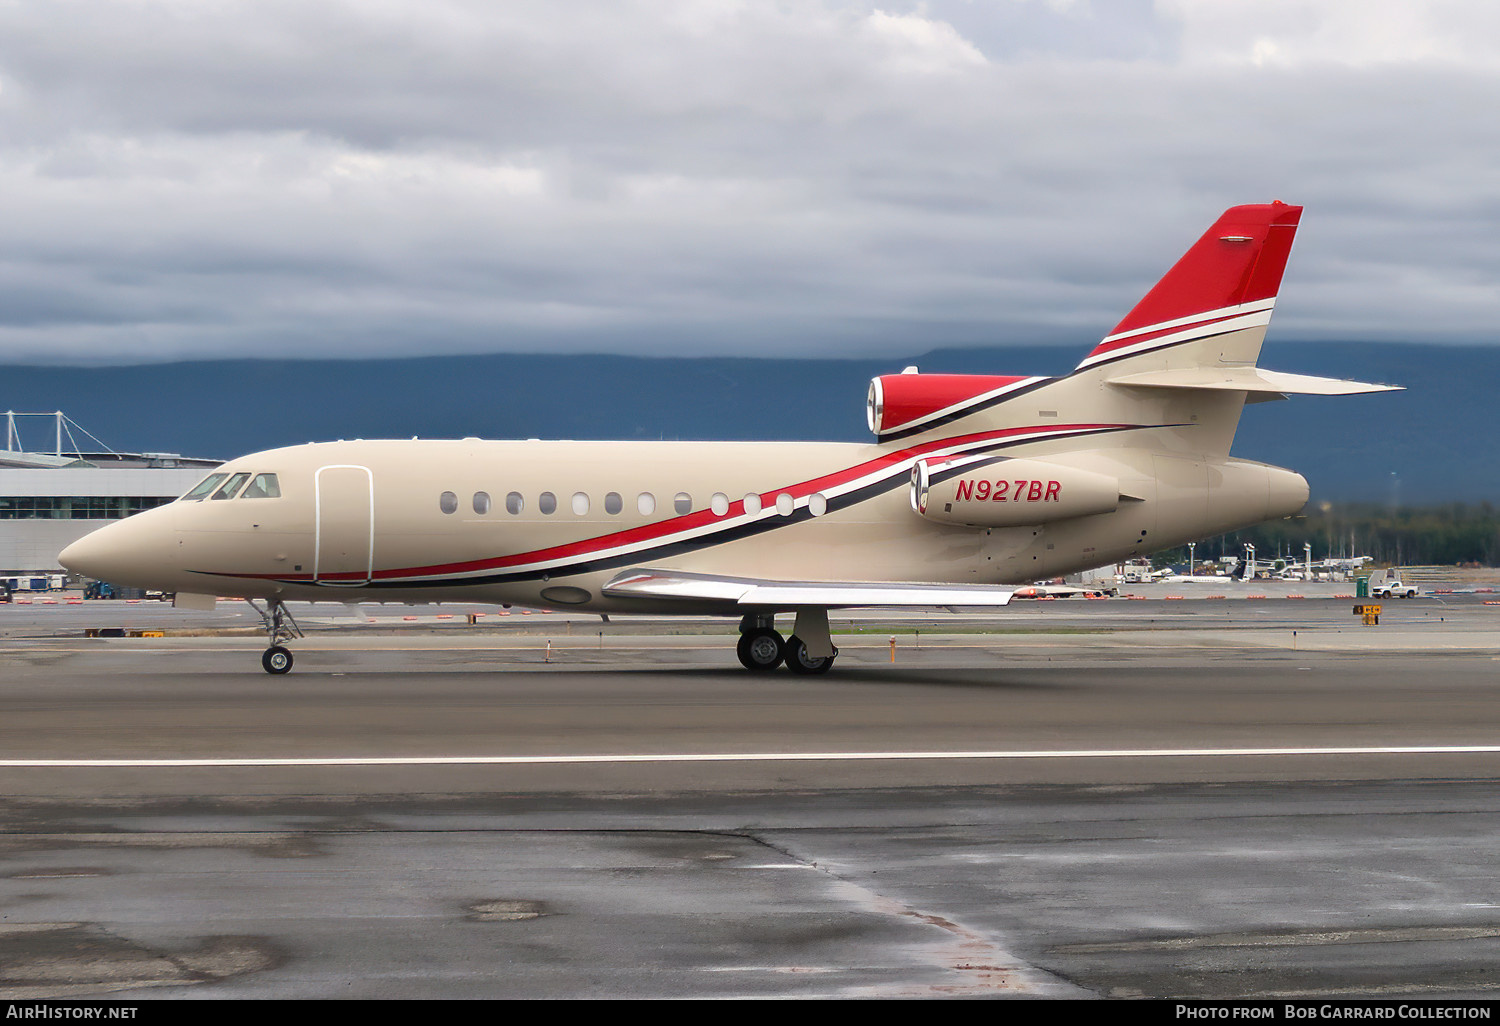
(547,503)
(514,503)
(232,486)
(613,504)
(646,503)
(682,503)
(481,502)
(752,503)
(580,504)
(263,487)
(201,490)
(719,504)
(448,502)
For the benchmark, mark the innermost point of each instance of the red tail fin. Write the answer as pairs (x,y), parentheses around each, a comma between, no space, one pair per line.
(1233,271)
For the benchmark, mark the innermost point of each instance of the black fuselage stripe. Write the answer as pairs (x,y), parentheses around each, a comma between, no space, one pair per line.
(683,546)
(897,478)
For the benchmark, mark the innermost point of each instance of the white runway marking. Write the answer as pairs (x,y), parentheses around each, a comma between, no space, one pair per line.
(556,760)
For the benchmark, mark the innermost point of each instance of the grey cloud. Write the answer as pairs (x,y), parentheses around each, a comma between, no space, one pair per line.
(345,179)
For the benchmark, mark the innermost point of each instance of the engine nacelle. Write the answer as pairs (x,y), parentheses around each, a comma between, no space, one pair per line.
(1009,493)
(911,402)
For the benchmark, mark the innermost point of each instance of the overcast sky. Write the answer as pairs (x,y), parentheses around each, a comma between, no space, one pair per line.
(206,178)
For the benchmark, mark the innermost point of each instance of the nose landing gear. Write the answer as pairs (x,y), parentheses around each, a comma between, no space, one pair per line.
(276,659)
(279,627)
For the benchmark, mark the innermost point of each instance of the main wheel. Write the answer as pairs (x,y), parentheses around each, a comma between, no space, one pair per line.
(760,650)
(276,659)
(798,661)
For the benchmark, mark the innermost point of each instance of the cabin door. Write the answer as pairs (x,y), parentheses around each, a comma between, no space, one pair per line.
(344,546)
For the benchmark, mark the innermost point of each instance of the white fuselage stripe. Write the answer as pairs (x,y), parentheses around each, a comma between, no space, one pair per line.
(555,760)
(1208,315)
(899,468)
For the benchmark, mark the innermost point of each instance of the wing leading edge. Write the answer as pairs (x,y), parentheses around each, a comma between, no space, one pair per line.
(752,593)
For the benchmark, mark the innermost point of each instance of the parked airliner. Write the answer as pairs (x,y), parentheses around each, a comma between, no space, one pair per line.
(973,484)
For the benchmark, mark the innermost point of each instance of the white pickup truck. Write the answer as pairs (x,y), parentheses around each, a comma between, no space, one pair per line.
(1387,584)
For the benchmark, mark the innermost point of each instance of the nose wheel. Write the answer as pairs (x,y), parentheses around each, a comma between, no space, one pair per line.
(276,659)
(279,627)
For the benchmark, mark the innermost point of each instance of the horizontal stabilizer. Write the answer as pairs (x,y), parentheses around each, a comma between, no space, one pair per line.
(1248,379)
(750,592)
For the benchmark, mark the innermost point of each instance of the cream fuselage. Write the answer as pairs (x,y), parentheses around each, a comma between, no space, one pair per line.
(365,520)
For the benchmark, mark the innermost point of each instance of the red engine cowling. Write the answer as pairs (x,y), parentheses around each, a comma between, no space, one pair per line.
(915,402)
(1009,493)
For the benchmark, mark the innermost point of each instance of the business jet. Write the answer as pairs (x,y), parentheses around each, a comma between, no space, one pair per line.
(1350,563)
(1172,577)
(973,484)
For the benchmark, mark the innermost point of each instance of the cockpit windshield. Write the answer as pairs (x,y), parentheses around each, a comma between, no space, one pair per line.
(201,490)
(232,486)
(264,486)
(226,486)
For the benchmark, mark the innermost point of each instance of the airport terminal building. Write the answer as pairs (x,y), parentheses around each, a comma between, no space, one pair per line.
(48,500)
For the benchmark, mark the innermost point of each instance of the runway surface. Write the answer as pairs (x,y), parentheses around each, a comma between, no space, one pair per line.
(1111,799)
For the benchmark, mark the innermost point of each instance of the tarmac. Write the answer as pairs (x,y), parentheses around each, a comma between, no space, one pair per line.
(1064,799)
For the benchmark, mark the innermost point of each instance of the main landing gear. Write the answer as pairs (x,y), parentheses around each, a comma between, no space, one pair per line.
(761,648)
(279,627)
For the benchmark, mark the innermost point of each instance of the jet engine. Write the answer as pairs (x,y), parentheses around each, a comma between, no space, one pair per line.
(1009,492)
(909,402)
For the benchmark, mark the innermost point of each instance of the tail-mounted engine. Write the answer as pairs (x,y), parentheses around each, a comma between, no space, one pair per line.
(1008,493)
(907,403)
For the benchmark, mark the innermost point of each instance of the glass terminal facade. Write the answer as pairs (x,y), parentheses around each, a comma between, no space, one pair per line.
(76,507)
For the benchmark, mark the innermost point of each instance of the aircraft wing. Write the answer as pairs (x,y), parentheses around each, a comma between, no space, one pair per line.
(750,593)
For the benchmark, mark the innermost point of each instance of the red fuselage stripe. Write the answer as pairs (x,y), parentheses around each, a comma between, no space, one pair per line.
(691,521)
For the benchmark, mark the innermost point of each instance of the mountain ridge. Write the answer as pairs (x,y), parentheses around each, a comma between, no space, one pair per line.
(1432,443)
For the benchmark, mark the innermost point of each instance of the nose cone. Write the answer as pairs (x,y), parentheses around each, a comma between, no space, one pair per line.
(97,554)
(75,557)
(137,552)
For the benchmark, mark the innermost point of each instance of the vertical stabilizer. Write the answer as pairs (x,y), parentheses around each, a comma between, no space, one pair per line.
(1182,362)
(1226,283)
